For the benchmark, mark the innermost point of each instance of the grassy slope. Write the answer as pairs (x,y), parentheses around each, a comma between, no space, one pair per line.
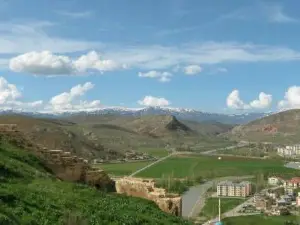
(210,209)
(31,196)
(209,167)
(258,220)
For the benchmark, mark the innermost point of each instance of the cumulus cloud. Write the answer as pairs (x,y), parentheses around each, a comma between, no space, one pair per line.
(92,60)
(192,69)
(70,100)
(234,101)
(42,63)
(10,97)
(47,63)
(161,76)
(264,101)
(154,101)
(291,98)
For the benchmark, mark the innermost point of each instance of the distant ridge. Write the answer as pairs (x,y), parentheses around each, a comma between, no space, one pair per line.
(180,113)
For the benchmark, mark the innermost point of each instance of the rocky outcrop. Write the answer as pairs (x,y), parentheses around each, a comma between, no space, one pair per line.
(170,203)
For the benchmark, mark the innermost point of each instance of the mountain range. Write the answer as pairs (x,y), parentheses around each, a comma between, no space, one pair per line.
(180,113)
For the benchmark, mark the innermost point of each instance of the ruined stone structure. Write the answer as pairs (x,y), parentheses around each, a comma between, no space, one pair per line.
(8,127)
(64,165)
(143,188)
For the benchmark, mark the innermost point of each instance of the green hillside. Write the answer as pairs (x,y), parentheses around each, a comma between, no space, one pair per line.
(29,195)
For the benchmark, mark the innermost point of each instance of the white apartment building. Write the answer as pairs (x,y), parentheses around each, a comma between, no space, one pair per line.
(289,150)
(232,189)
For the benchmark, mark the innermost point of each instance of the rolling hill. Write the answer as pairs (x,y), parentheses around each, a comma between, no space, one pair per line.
(31,195)
(283,127)
(109,136)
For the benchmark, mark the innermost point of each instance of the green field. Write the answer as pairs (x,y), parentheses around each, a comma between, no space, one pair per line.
(259,220)
(156,152)
(210,210)
(122,169)
(210,167)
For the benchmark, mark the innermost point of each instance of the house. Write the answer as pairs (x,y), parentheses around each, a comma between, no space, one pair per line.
(274,180)
(291,184)
(234,189)
(263,204)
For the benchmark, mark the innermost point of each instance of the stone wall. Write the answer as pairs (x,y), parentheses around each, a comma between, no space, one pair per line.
(143,188)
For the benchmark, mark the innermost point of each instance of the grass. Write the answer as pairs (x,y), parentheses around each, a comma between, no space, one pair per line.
(209,167)
(156,152)
(210,210)
(29,195)
(122,169)
(258,220)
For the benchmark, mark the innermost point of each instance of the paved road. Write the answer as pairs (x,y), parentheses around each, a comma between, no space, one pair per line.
(194,199)
(151,164)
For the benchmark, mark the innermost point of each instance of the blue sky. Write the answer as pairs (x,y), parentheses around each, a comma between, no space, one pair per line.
(217,56)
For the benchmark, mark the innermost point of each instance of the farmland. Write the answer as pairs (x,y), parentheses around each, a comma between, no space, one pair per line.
(210,209)
(122,169)
(182,166)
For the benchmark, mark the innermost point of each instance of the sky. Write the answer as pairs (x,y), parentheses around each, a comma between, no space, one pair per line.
(215,56)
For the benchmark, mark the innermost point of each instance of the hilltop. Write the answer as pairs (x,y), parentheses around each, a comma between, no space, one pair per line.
(282,127)
(31,195)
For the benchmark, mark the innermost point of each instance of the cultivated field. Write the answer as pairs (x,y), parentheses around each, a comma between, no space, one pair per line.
(258,220)
(122,169)
(210,209)
(182,166)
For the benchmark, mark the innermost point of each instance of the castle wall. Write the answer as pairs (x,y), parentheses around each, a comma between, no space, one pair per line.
(170,203)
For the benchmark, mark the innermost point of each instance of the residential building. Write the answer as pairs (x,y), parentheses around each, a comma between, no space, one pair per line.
(274,180)
(234,189)
(289,151)
(290,185)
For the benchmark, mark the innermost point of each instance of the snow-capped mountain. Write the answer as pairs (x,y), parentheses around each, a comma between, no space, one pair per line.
(180,113)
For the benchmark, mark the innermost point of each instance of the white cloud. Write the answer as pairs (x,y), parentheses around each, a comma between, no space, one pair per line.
(264,101)
(76,15)
(291,98)
(10,95)
(165,57)
(276,14)
(44,63)
(192,69)
(17,38)
(92,60)
(235,102)
(70,100)
(161,76)
(47,63)
(154,101)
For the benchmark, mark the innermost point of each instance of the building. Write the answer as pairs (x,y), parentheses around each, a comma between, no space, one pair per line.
(290,185)
(289,151)
(263,204)
(234,189)
(274,180)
